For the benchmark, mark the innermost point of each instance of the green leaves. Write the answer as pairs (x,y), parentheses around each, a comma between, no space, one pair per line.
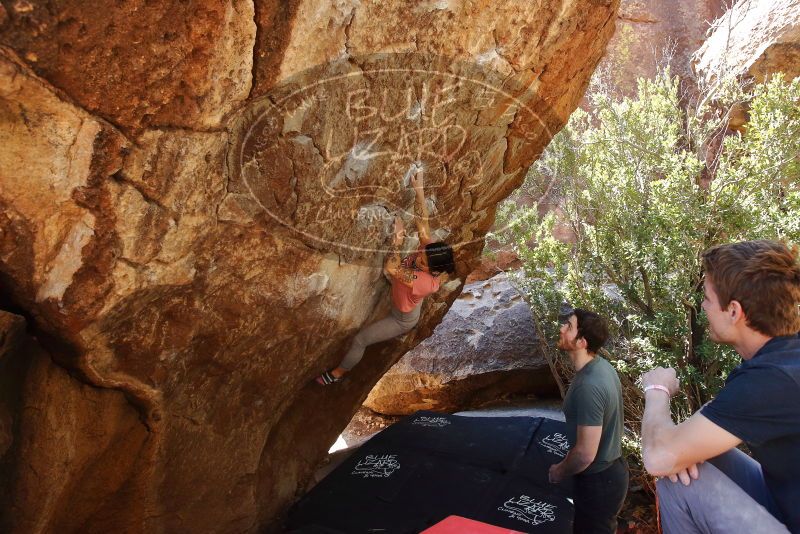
(637,190)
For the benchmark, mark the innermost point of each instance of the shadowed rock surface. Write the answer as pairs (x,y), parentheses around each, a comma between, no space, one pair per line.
(485,348)
(194,198)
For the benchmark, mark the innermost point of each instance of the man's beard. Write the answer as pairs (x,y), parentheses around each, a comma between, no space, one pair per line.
(564,345)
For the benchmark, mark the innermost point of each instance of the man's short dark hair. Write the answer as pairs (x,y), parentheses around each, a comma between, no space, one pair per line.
(762,276)
(592,328)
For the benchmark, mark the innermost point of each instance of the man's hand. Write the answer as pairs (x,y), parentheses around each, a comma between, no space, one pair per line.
(554,474)
(686,475)
(661,376)
(417,180)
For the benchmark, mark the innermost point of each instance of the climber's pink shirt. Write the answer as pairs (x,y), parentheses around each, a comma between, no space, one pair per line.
(407,298)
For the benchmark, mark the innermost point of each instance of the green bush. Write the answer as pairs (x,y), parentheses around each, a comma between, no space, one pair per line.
(644,185)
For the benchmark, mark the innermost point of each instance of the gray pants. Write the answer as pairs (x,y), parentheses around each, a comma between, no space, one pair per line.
(397,323)
(730,496)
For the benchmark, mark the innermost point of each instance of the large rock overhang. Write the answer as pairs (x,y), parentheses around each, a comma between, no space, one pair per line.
(193,203)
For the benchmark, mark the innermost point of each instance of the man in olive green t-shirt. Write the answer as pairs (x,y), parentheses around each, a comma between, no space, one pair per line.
(593,410)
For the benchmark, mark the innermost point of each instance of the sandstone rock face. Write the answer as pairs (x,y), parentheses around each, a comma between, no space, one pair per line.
(78,442)
(11,331)
(647,29)
(139,64)
(484,348)
(755,38)
(194,198)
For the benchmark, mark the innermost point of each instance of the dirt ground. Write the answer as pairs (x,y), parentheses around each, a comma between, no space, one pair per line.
(365,424)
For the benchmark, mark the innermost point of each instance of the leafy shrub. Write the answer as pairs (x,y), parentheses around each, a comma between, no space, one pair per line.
(643,186)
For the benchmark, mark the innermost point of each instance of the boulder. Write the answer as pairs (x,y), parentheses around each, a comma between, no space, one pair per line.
(485,348)
(12,328)
(754,39)
(194,201)
(84,442)
(493,263)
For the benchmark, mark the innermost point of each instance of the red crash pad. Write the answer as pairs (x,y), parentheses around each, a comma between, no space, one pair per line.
(461,525)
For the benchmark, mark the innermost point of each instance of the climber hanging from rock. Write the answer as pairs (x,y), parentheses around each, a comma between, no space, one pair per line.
(413,278)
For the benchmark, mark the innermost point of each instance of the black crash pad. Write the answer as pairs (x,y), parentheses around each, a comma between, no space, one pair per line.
(550,446)
(492,442)
(525,506)
(429,466)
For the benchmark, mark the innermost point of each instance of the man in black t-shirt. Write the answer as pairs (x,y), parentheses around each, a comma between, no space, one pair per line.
(752,300)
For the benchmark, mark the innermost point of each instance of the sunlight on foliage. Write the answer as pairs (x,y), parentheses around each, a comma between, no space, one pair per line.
(644,185)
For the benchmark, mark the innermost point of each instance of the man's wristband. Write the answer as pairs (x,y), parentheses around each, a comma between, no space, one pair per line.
(658,387)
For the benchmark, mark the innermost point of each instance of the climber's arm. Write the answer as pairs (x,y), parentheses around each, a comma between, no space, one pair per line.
(393,265)
(421,208)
